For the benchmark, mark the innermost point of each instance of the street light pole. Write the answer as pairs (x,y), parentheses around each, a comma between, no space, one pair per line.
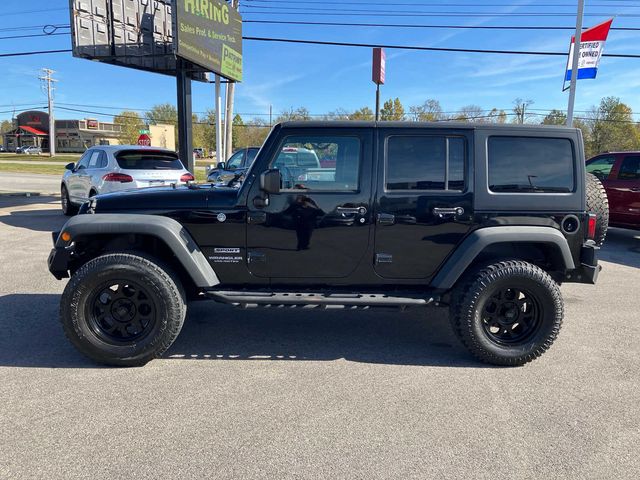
(574,63)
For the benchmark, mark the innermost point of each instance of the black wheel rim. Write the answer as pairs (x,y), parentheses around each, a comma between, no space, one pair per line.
(122,312)
(511,316)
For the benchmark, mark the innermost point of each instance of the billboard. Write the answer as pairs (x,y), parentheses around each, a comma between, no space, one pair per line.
(209,34)
(130,33)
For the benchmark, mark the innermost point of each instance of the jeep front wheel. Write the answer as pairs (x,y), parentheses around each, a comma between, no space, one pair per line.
(123,309)
(507,313)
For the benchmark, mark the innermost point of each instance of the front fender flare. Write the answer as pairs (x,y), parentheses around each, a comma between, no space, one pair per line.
(176,237)
(465,253)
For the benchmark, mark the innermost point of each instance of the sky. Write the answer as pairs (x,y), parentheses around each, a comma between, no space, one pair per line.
(327,78)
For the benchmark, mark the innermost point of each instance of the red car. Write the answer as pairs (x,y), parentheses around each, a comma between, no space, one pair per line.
(619,172)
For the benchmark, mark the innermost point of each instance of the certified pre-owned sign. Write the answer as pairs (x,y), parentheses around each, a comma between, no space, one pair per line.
(209,34)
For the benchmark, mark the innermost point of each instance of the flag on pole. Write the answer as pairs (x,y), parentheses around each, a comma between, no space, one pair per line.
(592,43)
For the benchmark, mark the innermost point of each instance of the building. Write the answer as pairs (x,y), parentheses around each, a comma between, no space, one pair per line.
(32,129)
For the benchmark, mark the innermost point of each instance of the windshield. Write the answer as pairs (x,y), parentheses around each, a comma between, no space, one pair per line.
(148,160)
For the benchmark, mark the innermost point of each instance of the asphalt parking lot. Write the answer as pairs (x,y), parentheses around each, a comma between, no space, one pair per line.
(260,394)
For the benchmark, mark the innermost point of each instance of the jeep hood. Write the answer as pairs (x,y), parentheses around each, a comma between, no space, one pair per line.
(166,198)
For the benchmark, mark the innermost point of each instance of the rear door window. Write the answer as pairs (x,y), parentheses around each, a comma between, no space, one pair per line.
(251,156)
(630,168)
(148,160)
(531,165)
(425,162)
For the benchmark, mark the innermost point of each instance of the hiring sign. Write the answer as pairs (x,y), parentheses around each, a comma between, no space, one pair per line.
(592,43)
(209,34)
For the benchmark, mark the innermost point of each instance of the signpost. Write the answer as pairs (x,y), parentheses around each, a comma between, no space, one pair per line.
(378,74)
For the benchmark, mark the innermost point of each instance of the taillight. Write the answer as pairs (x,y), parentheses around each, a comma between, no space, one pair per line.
(187,177)
(117,177)
(591,226)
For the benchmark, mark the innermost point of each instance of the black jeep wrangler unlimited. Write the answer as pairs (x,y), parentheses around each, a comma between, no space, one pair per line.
(487,220)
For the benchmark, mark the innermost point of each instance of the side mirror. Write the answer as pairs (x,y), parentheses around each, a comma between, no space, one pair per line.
(270,181)
(70,166)
(221,165)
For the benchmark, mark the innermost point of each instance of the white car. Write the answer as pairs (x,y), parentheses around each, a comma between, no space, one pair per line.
(104,169)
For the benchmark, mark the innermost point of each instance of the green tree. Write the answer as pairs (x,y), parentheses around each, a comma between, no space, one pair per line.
(162,113)
(130,123)
(555,117)
(611,127)
(470,113)
(5,126)
(429,111)
(497,116)
(392,110)
(520,110)
(300,113)
(364,113)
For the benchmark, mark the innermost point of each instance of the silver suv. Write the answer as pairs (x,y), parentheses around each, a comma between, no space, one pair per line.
(105,169)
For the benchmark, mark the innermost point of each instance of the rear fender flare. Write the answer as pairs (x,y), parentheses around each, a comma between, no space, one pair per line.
(472,246)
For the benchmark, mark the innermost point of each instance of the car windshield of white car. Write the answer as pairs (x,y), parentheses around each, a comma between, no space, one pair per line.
(148,160)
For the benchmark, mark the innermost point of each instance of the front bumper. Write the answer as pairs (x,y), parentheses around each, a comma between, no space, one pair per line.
(59,258)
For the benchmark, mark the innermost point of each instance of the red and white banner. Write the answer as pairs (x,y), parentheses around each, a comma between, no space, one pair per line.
(592,43)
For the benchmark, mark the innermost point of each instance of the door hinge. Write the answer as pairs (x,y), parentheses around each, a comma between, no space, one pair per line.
(386,219)
(384,258)
(254,257)
(256,217)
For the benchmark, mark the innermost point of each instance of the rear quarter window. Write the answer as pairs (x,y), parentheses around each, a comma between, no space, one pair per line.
(530,165)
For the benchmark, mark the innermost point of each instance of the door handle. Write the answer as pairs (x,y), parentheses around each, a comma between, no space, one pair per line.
(635,189)
(445,212)
(352,210)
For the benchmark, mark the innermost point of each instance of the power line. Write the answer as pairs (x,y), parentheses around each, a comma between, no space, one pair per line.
(431,49)
(254,4)
(381,13)
(410,25)
(39,52)
(34,35)
(372,45)
(46,10)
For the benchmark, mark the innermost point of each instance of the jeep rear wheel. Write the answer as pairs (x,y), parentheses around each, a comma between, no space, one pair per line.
(507,313)
(123,309)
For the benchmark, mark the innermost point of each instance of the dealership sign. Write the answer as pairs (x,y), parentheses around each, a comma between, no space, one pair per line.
(208,33)
(592,43)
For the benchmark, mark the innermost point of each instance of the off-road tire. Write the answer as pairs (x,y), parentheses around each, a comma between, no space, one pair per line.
(159,284)
(598,203)
(474,292)
(68,208)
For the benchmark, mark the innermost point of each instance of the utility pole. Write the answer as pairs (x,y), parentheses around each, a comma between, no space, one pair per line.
(219,147)
(46,77)
(228,115)
(574,63)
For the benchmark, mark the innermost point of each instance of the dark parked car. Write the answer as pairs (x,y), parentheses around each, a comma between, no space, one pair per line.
(486,220)
(231,172)
(619,172)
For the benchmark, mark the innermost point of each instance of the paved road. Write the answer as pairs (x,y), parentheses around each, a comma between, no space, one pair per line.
(29,182)
(260,394)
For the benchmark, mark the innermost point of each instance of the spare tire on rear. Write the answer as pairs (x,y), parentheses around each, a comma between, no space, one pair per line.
(598,203)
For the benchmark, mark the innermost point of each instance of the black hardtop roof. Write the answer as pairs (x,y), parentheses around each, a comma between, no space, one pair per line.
(426,125)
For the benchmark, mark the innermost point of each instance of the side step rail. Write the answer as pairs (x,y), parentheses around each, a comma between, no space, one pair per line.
(318,300)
